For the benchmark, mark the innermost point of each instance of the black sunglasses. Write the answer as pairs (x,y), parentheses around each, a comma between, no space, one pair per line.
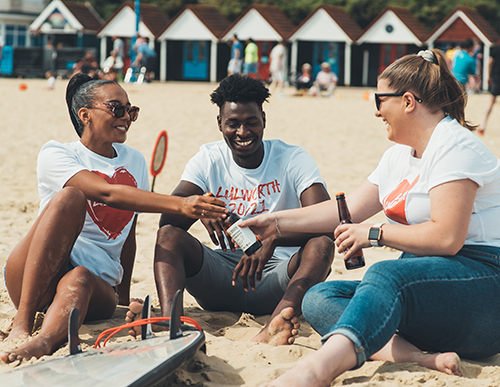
(119,110)
(378,95)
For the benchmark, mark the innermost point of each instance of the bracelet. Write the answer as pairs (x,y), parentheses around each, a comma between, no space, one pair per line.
(277,227)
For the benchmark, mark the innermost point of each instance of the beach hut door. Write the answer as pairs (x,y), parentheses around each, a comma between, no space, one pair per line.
(195,60)
(325,52)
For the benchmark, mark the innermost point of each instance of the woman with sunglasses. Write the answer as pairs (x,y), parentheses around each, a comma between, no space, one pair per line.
(439,188)
(80,251)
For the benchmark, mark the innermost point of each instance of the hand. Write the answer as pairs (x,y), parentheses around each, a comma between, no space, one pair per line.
(216,233)
(264,226)
(351,237)
(250,267)
(199,206)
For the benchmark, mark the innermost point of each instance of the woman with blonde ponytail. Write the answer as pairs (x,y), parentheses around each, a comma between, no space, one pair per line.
(439,188)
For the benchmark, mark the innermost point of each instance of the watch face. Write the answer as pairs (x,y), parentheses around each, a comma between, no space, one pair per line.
(374,234)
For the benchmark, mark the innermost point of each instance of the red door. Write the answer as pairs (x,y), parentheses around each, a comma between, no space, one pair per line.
(389,53)
(263,64)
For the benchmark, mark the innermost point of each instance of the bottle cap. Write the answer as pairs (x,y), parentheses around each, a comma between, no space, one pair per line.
(339,194)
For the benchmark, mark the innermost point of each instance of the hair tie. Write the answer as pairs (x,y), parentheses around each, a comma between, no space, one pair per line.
(428,55)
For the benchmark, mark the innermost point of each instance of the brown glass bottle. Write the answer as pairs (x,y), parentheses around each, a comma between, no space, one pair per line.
(357,259)
(243,236)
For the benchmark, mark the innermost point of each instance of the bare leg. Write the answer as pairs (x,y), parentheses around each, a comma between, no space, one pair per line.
(320,368)
(489,107)
(92,296)
(177,255)
(305,271)
(39,261)
(398,350)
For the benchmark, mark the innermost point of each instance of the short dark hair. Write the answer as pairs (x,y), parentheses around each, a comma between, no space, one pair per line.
(240,88)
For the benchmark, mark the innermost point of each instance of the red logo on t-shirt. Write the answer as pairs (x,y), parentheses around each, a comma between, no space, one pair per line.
(395,202)
(111,221)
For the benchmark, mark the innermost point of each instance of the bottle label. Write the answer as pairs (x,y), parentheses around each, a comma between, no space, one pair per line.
(243,236)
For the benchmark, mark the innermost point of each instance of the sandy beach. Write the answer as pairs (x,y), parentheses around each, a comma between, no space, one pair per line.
(342,134)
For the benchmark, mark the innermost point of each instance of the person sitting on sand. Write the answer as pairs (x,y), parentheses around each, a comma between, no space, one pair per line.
(439,188)
(325,82)
(253,176)
(81,249)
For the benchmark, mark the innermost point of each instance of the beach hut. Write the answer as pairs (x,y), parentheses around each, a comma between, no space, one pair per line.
(394,33)
(266,25)
(67,23)
(122,24)
(326,35)
(463,23)
(190,48)
(15,18)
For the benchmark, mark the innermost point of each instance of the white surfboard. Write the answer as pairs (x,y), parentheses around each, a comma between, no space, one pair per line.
(138,363)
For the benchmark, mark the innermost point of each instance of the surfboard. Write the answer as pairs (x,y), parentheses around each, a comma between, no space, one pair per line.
(133,364)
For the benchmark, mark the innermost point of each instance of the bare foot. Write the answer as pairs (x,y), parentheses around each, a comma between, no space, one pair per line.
(37,347)
(448,362)
(18,334)
(280,330)
(135,313)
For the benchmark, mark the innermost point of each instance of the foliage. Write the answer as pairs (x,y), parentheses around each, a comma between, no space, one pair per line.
(429,12)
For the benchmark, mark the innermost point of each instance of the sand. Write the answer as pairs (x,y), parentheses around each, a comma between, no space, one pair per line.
(341,134)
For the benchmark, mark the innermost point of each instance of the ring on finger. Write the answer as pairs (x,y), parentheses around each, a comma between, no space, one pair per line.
(202,212)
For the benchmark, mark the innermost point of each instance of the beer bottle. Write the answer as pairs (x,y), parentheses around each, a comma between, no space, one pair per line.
(243,236)
(357,259)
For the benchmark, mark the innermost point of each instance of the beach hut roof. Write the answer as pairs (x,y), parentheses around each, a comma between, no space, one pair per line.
(316,28)
(208,15)
(77,17)
(271,14)
(122,22)
(445,30)
(395,25)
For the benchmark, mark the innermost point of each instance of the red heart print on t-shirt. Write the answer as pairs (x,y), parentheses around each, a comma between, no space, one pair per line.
(111,221)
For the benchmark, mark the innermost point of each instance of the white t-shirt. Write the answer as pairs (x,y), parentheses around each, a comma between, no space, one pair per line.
(453,153)
(100,243)
(278,59)
(285,172)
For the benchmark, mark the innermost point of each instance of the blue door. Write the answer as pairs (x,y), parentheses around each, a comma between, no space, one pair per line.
(325,52)
(7,61)
(195,63)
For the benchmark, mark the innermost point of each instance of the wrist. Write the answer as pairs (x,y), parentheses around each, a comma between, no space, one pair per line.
(375,235)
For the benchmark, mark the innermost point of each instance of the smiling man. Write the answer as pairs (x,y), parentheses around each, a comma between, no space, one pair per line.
(253,176)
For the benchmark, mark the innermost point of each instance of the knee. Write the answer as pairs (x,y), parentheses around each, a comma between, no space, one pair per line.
(69,201)
(78,279)
(169,235)
(320,249)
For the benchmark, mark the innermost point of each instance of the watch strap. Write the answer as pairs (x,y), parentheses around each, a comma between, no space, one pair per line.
(375,242)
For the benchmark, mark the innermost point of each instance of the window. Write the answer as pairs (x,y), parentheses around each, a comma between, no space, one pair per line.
(15,35)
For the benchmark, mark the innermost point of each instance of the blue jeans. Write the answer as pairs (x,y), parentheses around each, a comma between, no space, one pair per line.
(439,304)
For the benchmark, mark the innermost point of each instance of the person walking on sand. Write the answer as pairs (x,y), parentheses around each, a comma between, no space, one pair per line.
(278,68)
(439,188)
(253,176)
(81,249)
(236,62)
(494,83)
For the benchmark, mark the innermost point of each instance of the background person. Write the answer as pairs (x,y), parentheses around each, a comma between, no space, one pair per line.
(325,82)
(494,85)
(251,58)
(81,249)
(236,61)
(464,64)
(278,67)
(439,188)
(304,80)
